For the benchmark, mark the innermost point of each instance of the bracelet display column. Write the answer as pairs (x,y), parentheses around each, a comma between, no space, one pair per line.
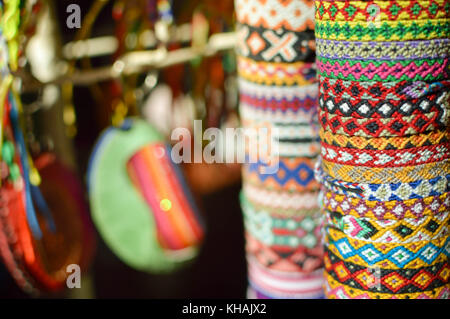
(383,109)
(278,91)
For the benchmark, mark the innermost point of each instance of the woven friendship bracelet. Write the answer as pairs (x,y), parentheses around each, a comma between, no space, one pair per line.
(335,290)
(261,44)
(278,139)
(383,31)
(381,10)
(391,51)
(288,174)
(287,141)
(407,230)
(278,92)
(282,203)
(385,158)
(293,94)
(305,130)
(389,210)
(276,14)
(367,174)
(435,102)
(384,71)
(379,91)
(284,285)
(389,127)
(282,232)
(272,73)
(307,209)
(278,115)
(286,259)
(385,169)
(272,185)
(289,239)
(269,105)
(296,149)
(301,225)
(387,192)
(293,149)
(387,281)
(387,255)
(383,143)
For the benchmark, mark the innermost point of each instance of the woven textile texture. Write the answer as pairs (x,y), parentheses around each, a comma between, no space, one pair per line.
(384,169)
(279,91)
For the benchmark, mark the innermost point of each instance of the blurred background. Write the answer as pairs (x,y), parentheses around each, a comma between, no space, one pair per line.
(73,100)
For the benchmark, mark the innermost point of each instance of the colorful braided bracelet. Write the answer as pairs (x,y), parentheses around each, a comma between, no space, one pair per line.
(367,174)
(390,210)
(385,158)
(374,127)
(434,138)
(387,281)
(407,230)
(383,31)
(274,14)
(390,51)
(381,10)
(435,102)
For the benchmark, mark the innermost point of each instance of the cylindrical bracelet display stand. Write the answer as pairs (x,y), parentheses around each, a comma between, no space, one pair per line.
(383,109)
(278,90)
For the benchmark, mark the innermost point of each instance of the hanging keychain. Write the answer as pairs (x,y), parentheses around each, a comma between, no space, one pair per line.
(140,203)
(38,239)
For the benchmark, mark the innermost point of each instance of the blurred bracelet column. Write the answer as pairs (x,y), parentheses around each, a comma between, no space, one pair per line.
(278,91)
(383,109)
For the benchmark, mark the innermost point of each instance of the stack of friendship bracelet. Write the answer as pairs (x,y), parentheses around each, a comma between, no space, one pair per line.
(278,90)
(383,69)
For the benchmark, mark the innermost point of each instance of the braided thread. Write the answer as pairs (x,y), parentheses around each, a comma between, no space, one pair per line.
(279,91)
(385,153)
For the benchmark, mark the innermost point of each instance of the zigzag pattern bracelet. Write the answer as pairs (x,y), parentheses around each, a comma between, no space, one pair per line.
(388,255)
(335,290)
(384,71)
(277,115)
(379,91)
(276,231)
(386,143)
(395,210)
(435,102)
(275,14)
(407,230)
(386,281)
(385,158)
(279,93)
(386,192)
(281,74)
(398,126)
(384,31)
(381,10)
(380,175)
(306,130)
(282,203)
(285,259)
(285,285)
(293,174)
(389,51)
